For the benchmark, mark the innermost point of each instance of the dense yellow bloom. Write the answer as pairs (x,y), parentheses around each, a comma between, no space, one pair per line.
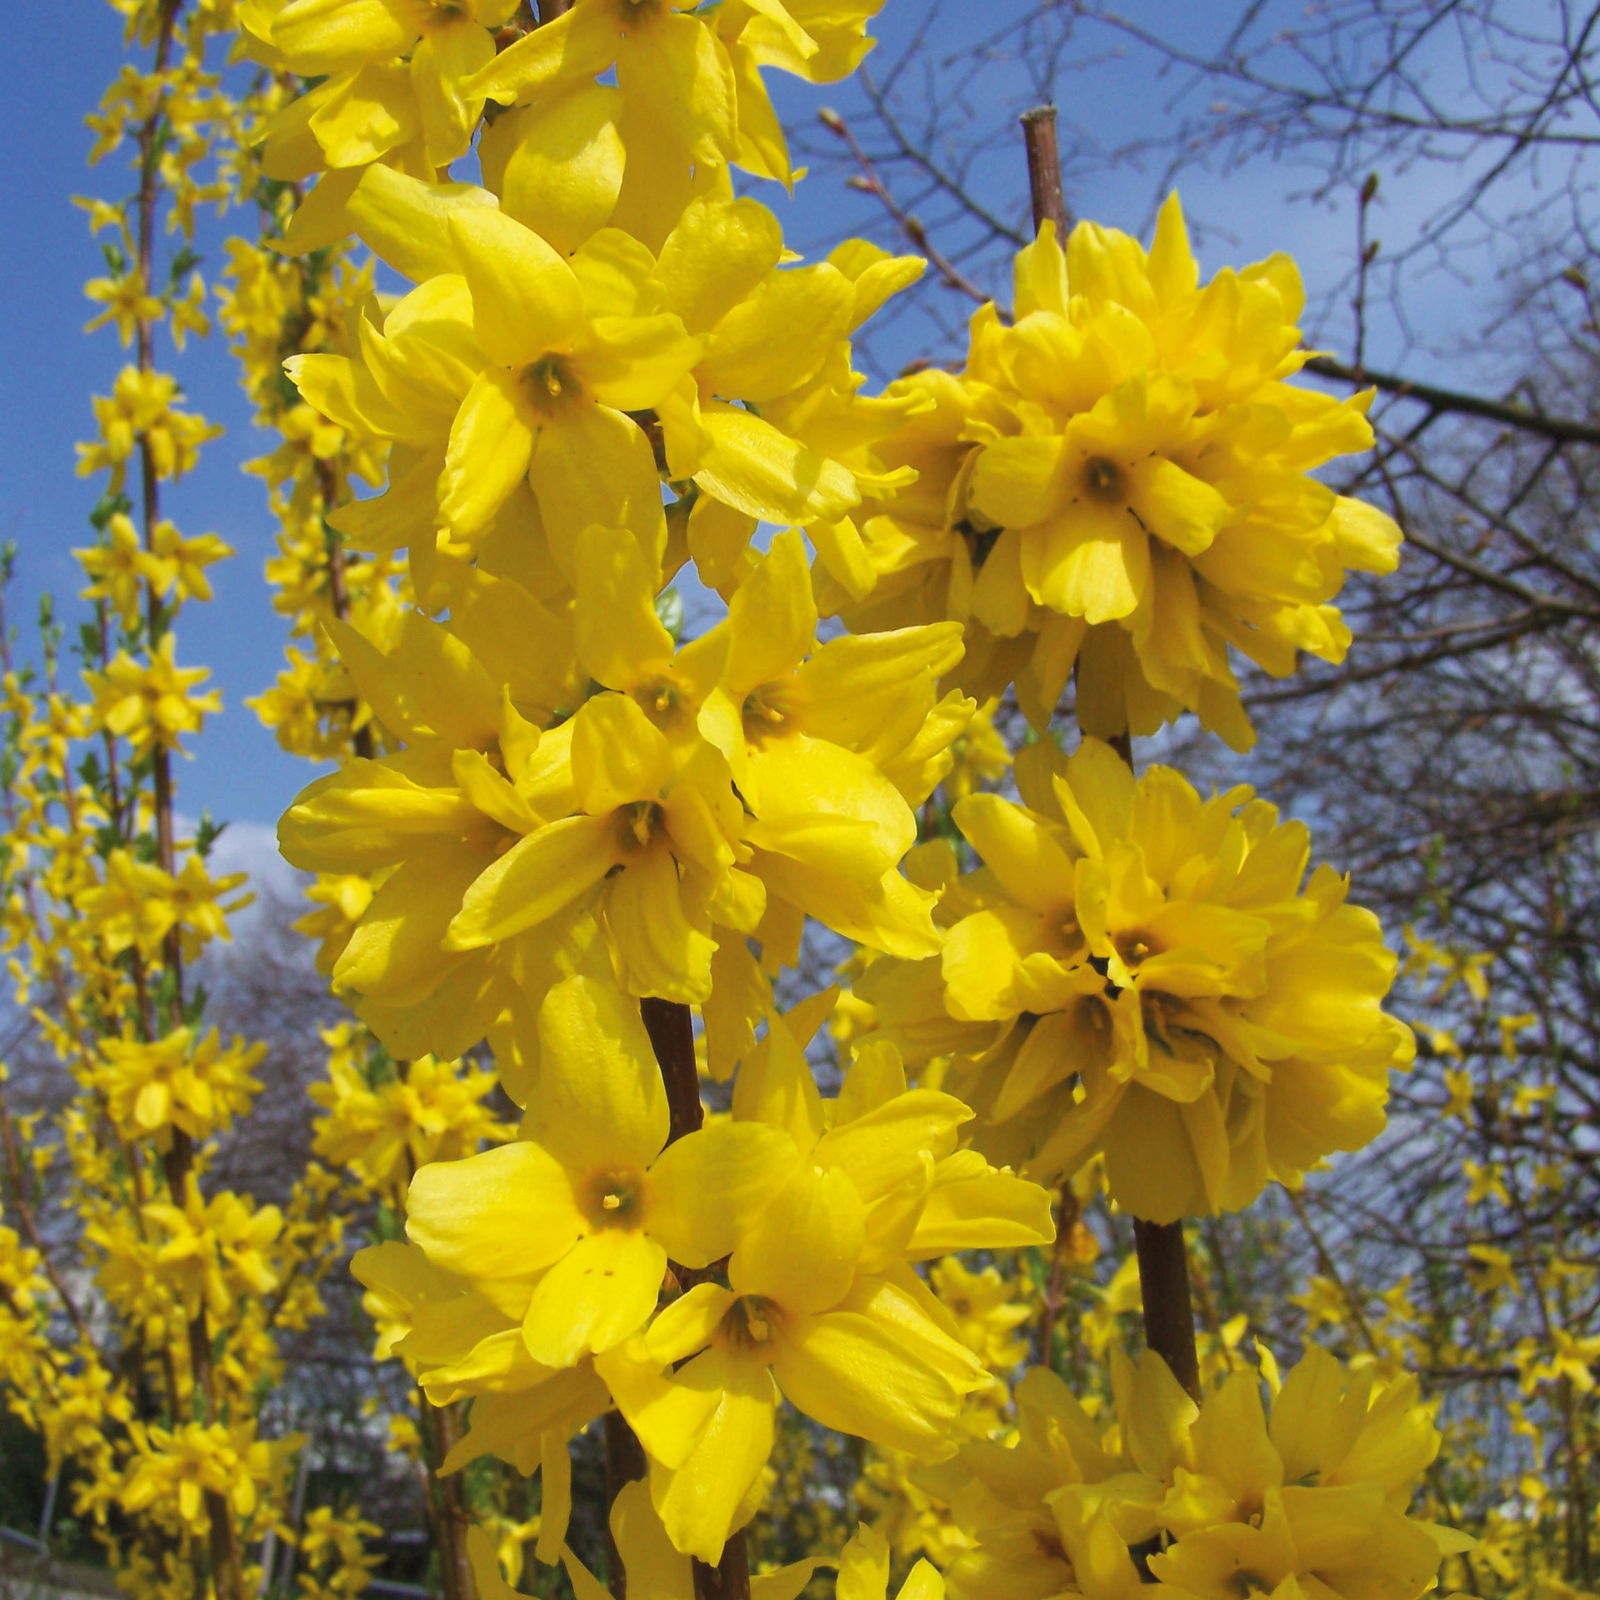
(1128,492)
(691,84)
(776,342)
(177,1467)
(213,1251)
(395,89)
(137,904)
(509,364)
(1240,1501)
(1168,985)
(683,798)
(140,409)
(384,1125)
(608,1205)
(181,1081)
(334,1549)
(151,703)
(819,1307)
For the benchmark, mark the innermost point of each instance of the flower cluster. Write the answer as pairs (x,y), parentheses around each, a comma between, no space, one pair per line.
(1140,972)
(1116,488)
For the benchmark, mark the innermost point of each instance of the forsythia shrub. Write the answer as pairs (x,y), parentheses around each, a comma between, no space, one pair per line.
(569,858)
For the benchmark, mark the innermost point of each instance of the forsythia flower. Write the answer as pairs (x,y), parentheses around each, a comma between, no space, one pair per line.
(1163,986)
(180,1081)
(612,1205)
(1236,1499)
(687,798)
(691,83)
(151,703)
(1119,481)
(140,407)
(425,1110)
(177,1467)
(819,1306)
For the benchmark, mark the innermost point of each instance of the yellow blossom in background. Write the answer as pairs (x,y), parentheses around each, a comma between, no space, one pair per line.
(384,1123)
(177,1467)
(127,303)
(182,1081)
(151,703)
(987,1312)
(140,408)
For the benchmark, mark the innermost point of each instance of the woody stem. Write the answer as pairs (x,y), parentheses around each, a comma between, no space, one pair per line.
(1164,1286)
(670,1025)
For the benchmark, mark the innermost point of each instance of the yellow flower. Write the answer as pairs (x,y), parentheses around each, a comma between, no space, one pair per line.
(1311,1501)
(373,104)
(151,703)
(424,1110)
(508,364)
(140,409)
(213,1251)
(182,1081)
(126,303)
(819,1307)
(1172,992)
(864,1572)
(609,1201)
(119,569)
(691,84)
(176,1468)
(987,1316)
(1130,467)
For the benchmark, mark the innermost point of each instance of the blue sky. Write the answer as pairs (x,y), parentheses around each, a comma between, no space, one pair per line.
(51,369)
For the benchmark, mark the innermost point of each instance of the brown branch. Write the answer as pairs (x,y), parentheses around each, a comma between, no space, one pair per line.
(871,182)
(1044,170)
(1566,430)
(1164,1289)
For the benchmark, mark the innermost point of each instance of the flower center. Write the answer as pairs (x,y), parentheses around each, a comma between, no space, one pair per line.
(611,1199)
(640,822)
(768,712)
(747,1323)
(550,382)
(1102,479)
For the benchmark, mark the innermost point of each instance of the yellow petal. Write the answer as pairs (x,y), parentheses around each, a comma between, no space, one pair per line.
(705,1184)
(715,256)
(802,1249)
(663,943)
(759,470)
(525,298)
(491,444)
(594,465)
(534,879)
(598,1294)
(845,1372)
(699,1503)
(772,618)
(323,36)
(601,1102)
(620,640)
(619,757)
(407,221)
(495,1219)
